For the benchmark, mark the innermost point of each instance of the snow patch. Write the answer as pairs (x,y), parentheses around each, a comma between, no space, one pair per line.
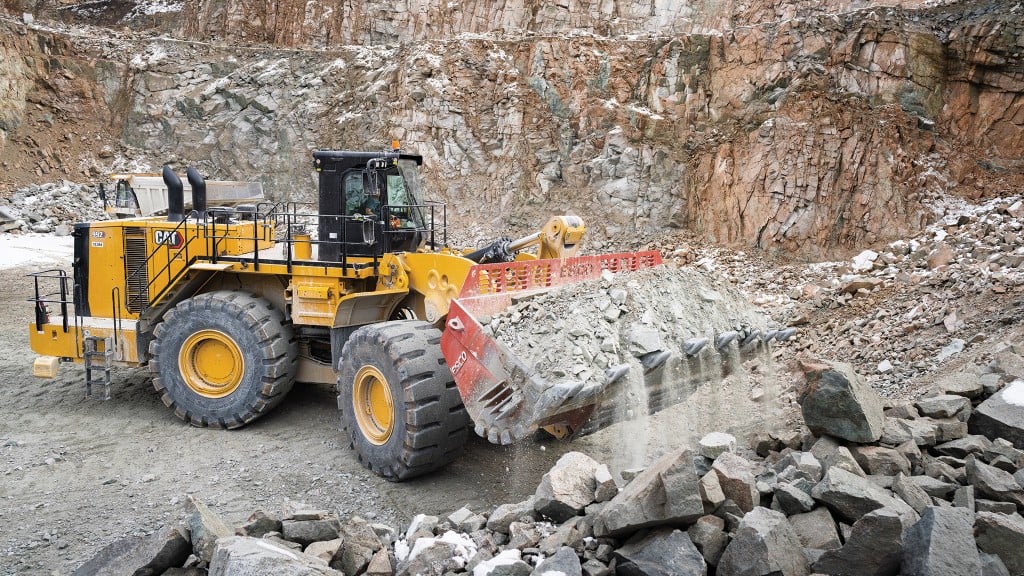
(505,558)
(1014,393)
(37,251)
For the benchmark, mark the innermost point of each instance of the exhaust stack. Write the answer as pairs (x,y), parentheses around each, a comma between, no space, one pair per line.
(175,195)
(198,190)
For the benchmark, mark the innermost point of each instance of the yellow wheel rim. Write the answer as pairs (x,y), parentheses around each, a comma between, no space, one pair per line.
(211,363)
(374,407)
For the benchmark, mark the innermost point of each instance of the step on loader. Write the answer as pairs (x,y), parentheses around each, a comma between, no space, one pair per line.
(230,306)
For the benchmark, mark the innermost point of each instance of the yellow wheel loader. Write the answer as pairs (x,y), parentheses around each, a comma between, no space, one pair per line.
(230,306)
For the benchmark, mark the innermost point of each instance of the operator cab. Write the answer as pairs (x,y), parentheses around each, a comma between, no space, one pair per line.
(370,203)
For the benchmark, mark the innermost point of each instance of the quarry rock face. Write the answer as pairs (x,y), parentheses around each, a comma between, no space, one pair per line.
(826,130)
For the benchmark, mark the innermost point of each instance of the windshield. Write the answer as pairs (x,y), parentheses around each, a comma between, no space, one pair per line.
(403,189)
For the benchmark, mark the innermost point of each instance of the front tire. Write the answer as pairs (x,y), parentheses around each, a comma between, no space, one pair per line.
(223,359)
(398,402)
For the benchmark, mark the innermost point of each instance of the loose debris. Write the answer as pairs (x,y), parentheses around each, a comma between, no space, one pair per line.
(927,497)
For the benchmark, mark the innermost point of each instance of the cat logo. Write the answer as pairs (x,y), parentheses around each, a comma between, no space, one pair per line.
(171,238)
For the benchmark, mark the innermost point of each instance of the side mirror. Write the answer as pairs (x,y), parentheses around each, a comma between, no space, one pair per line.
(370,184)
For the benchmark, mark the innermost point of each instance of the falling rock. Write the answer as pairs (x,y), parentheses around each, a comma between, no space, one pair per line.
(716,443)
(665,493)
(247,556)
(1002,535)
(204,527)
(941,543)
(764,544)
(874,547)
(993,483)
(1002,415)
(911,493)
(661,552)
(736,477)
(151,554)
(708,534)
(942,406)
(835,401)
(568,487)
(606,487)
(816,529)
(506,514)
(851,496)
(881,460)
(564,562)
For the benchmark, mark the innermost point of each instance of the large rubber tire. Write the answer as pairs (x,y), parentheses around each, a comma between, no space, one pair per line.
(223,359)
(398,402)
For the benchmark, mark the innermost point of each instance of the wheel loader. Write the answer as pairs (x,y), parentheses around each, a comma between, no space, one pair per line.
(230,306)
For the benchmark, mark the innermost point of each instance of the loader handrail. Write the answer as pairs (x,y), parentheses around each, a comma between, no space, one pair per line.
(172,278)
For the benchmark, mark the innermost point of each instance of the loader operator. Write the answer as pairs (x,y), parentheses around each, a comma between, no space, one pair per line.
(357,202)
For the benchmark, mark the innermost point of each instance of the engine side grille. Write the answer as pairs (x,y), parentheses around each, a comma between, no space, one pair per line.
(135,269)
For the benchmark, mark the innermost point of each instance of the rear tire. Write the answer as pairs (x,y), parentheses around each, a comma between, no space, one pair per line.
(223,359)
(398,402)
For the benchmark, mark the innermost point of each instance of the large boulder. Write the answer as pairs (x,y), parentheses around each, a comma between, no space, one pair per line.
(143,555)
(568,487)
(662,552)
(1002,415)
(941,543)
(851,497)
(835,401)
(764,544)
(873,548)
(247,556)
(666,492)
(1002,535)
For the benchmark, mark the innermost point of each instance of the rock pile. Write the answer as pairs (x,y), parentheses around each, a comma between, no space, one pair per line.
(579,330)
(50,208)
(921,491)
(899,312)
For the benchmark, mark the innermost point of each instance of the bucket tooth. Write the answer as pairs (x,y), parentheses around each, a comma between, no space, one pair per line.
(785,334)
(767,335)
(724,339)
(750,338)
(652,360)
(693,346)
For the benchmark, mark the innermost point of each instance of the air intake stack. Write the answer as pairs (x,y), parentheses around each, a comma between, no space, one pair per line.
(175,195)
